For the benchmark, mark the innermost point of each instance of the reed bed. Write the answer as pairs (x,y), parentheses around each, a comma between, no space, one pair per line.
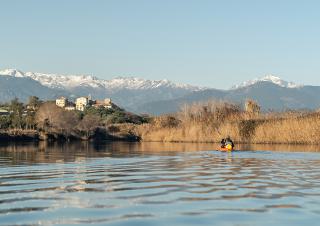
(213,120)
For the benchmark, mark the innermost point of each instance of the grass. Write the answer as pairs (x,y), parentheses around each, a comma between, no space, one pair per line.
(211,121)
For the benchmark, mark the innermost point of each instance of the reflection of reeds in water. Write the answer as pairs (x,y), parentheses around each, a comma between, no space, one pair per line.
(212,121)
(42,152)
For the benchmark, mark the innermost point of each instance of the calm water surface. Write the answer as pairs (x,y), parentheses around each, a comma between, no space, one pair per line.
(158,184)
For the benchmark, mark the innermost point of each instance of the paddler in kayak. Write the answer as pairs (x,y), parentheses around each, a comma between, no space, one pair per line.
(227,144)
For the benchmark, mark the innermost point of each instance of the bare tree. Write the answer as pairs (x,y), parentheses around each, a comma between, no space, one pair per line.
(88,125)
(66,122)
(47,114)
(51,118)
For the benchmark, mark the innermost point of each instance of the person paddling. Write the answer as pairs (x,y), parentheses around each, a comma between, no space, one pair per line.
(227,143)
(223,143)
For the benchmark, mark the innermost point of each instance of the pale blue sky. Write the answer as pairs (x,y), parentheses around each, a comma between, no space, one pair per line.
(201,42)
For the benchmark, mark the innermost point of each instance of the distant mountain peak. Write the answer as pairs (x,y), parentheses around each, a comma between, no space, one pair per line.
(268,78)
(12,72)
(72,81)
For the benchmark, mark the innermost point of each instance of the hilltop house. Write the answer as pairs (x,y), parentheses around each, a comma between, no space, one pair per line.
(82,103)
(70,107)
(4,112)
(106,103)
(61,102)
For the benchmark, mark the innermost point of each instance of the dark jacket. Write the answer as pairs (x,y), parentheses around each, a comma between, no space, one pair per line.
(229,141)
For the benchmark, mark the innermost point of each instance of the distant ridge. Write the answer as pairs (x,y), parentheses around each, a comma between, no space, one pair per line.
(156,96)
(71,81)
(128,92)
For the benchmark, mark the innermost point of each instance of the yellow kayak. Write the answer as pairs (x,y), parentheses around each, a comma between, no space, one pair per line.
(228,147)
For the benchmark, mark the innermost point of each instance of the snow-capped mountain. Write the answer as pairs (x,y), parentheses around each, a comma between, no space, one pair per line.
(73,81)
(271,92)
(160,96)
(127,92)
(268,78)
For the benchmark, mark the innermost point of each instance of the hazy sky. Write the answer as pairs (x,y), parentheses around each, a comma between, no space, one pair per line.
(210,43)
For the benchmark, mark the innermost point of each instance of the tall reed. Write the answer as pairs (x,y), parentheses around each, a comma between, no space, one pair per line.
(213,120)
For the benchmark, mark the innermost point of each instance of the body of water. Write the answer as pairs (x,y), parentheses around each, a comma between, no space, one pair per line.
(158,184)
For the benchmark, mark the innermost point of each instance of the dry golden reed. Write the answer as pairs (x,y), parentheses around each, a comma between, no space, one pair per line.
(211,121)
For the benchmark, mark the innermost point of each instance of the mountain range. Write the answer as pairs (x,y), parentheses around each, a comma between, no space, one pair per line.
(155,96)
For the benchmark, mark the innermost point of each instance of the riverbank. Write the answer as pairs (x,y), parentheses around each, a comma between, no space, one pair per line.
(198,123)
(214,121)
(19,135)
(114,132)
(293,128)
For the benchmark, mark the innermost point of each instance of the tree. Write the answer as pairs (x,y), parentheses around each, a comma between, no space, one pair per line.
(50,118)
(34,102)
(30,120)
(88,125)
(100,111)
(66,122)
(32,106)
(5,122)
(16,109)
(47,114)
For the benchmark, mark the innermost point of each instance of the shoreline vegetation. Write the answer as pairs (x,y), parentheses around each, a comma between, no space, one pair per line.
(205,122)
(213,120)
(40,120)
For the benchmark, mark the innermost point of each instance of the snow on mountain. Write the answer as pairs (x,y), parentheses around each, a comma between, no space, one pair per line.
(68,82)
(269,78)
(63,81)
(12,72)
(138,83)
(160,96)
(73,81)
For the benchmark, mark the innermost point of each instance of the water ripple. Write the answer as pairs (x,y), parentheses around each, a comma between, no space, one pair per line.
(137,186)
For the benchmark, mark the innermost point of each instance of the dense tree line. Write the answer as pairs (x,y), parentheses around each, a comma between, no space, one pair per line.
(48,118)
(20,116)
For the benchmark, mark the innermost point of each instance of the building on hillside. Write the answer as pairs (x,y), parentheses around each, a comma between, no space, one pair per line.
(4,112)
(70,107)
(62,102)
(82,103)
(106,103)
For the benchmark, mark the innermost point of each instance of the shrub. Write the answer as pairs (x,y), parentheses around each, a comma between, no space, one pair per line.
(166,121)
(247,129)
(252,107)
(5,122)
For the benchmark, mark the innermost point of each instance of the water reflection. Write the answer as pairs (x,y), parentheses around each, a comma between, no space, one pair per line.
(279,147)
(155,184)
(43,152)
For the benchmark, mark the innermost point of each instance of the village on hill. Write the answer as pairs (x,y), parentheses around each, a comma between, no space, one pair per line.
(81,103)
(63,119)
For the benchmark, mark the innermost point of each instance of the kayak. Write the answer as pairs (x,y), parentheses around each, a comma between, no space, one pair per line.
(227,147)
(224,149)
